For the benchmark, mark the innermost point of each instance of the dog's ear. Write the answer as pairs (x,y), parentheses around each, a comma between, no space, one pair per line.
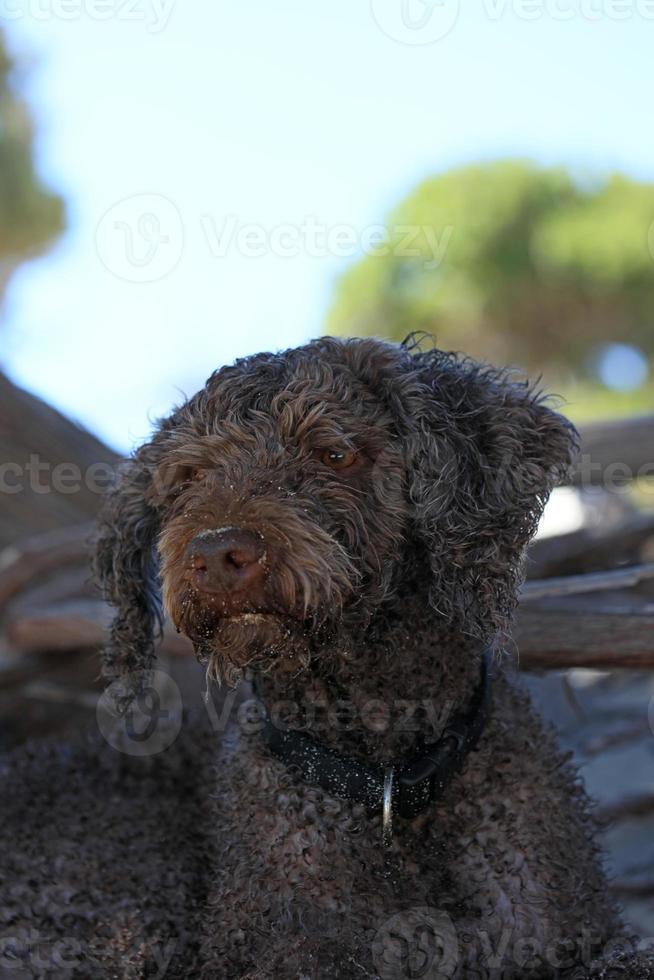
(484,454)
(125,566)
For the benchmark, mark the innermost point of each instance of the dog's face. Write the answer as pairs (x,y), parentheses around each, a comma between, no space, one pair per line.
(283,509)
(299,496)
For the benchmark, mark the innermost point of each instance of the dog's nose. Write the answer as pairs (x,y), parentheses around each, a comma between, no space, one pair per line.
(230,560)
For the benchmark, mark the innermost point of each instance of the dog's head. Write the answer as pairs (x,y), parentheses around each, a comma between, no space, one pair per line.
(301,496)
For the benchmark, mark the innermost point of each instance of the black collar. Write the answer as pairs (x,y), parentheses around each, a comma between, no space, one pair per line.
(404,788)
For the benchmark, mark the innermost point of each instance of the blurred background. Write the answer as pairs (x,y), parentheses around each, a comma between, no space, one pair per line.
(182,183)
(211,180)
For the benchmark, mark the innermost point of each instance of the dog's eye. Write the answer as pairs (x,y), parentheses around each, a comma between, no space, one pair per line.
(338,459)
(188,475)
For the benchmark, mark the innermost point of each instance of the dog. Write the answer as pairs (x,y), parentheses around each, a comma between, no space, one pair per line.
(344,526)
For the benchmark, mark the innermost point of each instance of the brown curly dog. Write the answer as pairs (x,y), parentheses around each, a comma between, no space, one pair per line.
(344,525)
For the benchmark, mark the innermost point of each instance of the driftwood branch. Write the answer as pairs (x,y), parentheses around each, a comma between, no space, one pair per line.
(628,808)
(22,563)
(590,549)
(616,452)
(566,585)
(555,633)
(74,625)
(601,619)
(65,626)
(556,639)
(70,582)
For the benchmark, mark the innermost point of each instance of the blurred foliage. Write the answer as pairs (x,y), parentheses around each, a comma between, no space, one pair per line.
(511,262)
(585,401)
(30,216)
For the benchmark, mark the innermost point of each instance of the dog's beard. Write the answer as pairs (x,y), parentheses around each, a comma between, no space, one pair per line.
(228,645)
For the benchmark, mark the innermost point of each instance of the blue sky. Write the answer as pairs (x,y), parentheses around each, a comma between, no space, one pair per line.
(255,145)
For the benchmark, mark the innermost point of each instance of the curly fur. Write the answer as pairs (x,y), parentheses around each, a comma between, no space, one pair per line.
(383,581)
(461,460)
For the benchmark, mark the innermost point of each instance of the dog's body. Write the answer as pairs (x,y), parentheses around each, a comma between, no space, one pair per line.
(500,878)
(347,522)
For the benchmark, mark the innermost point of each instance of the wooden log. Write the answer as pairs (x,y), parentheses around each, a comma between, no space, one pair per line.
(75,625)
(628,808)
(557,639)
(567,585)
(590,549)
(68,582)
(546,638)
(21,563)
(599,620)
(623,889)
(613,453)
(595,620)
(65,626)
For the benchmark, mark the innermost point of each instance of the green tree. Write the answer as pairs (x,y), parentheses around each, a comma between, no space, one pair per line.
(513,263)
(30,215)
